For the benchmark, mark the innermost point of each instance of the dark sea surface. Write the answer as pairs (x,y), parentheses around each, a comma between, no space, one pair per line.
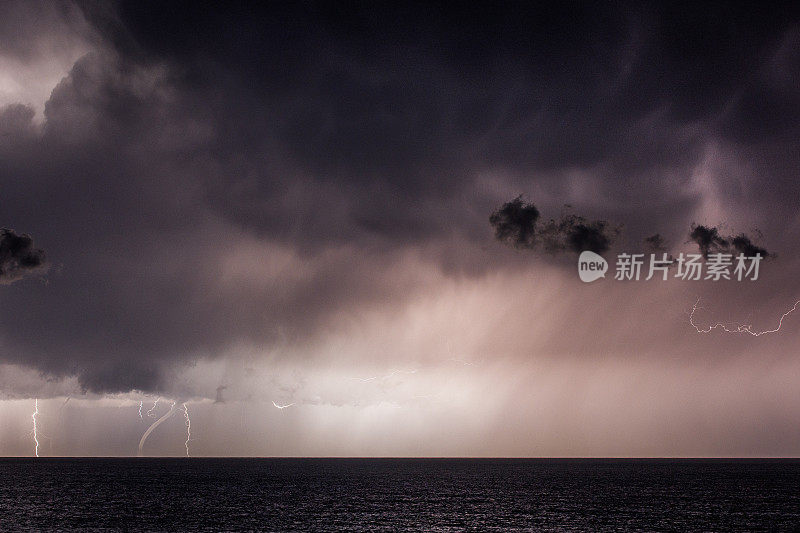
(398,495)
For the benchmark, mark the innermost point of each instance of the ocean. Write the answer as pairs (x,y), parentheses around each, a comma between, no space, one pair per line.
(431,495)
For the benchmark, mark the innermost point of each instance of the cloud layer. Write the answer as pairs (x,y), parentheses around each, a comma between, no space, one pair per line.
(206,178)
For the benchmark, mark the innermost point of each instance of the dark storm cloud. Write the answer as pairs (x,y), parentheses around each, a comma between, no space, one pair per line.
(382,114)
(516,223)
(655,243)
(18,256)
(709,241)
(742,244)
(337,136)
(576,234)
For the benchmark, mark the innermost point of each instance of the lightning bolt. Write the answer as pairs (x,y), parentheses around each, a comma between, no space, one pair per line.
(35,434)
(742,328)
(150,411)
(188,428)
(140,409)
(283,406)
(155,425)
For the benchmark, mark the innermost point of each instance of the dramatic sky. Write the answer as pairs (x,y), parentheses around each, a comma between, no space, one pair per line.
(231,207)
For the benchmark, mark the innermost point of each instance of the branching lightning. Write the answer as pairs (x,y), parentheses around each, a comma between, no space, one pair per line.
(741,328)
(188,428)
(283,406)
(35,431)
(150,412)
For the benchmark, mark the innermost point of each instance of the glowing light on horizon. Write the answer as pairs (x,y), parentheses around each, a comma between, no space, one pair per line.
(35,435)
(741,328)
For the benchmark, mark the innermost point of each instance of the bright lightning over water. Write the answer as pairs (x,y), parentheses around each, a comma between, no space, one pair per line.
(35,434)
(150,411)
(742,328)
(188,428)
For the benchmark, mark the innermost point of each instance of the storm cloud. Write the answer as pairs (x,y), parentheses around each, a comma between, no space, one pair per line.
(709,241)
(516,223)
(210,177)
(18,256)
(655,243)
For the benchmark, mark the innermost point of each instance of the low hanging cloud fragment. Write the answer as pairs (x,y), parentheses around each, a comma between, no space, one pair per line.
(655,244)
(709,241)
(17,256)
(516,223)
(575,233)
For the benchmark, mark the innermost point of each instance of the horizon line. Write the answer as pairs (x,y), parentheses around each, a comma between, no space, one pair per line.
(415,457)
